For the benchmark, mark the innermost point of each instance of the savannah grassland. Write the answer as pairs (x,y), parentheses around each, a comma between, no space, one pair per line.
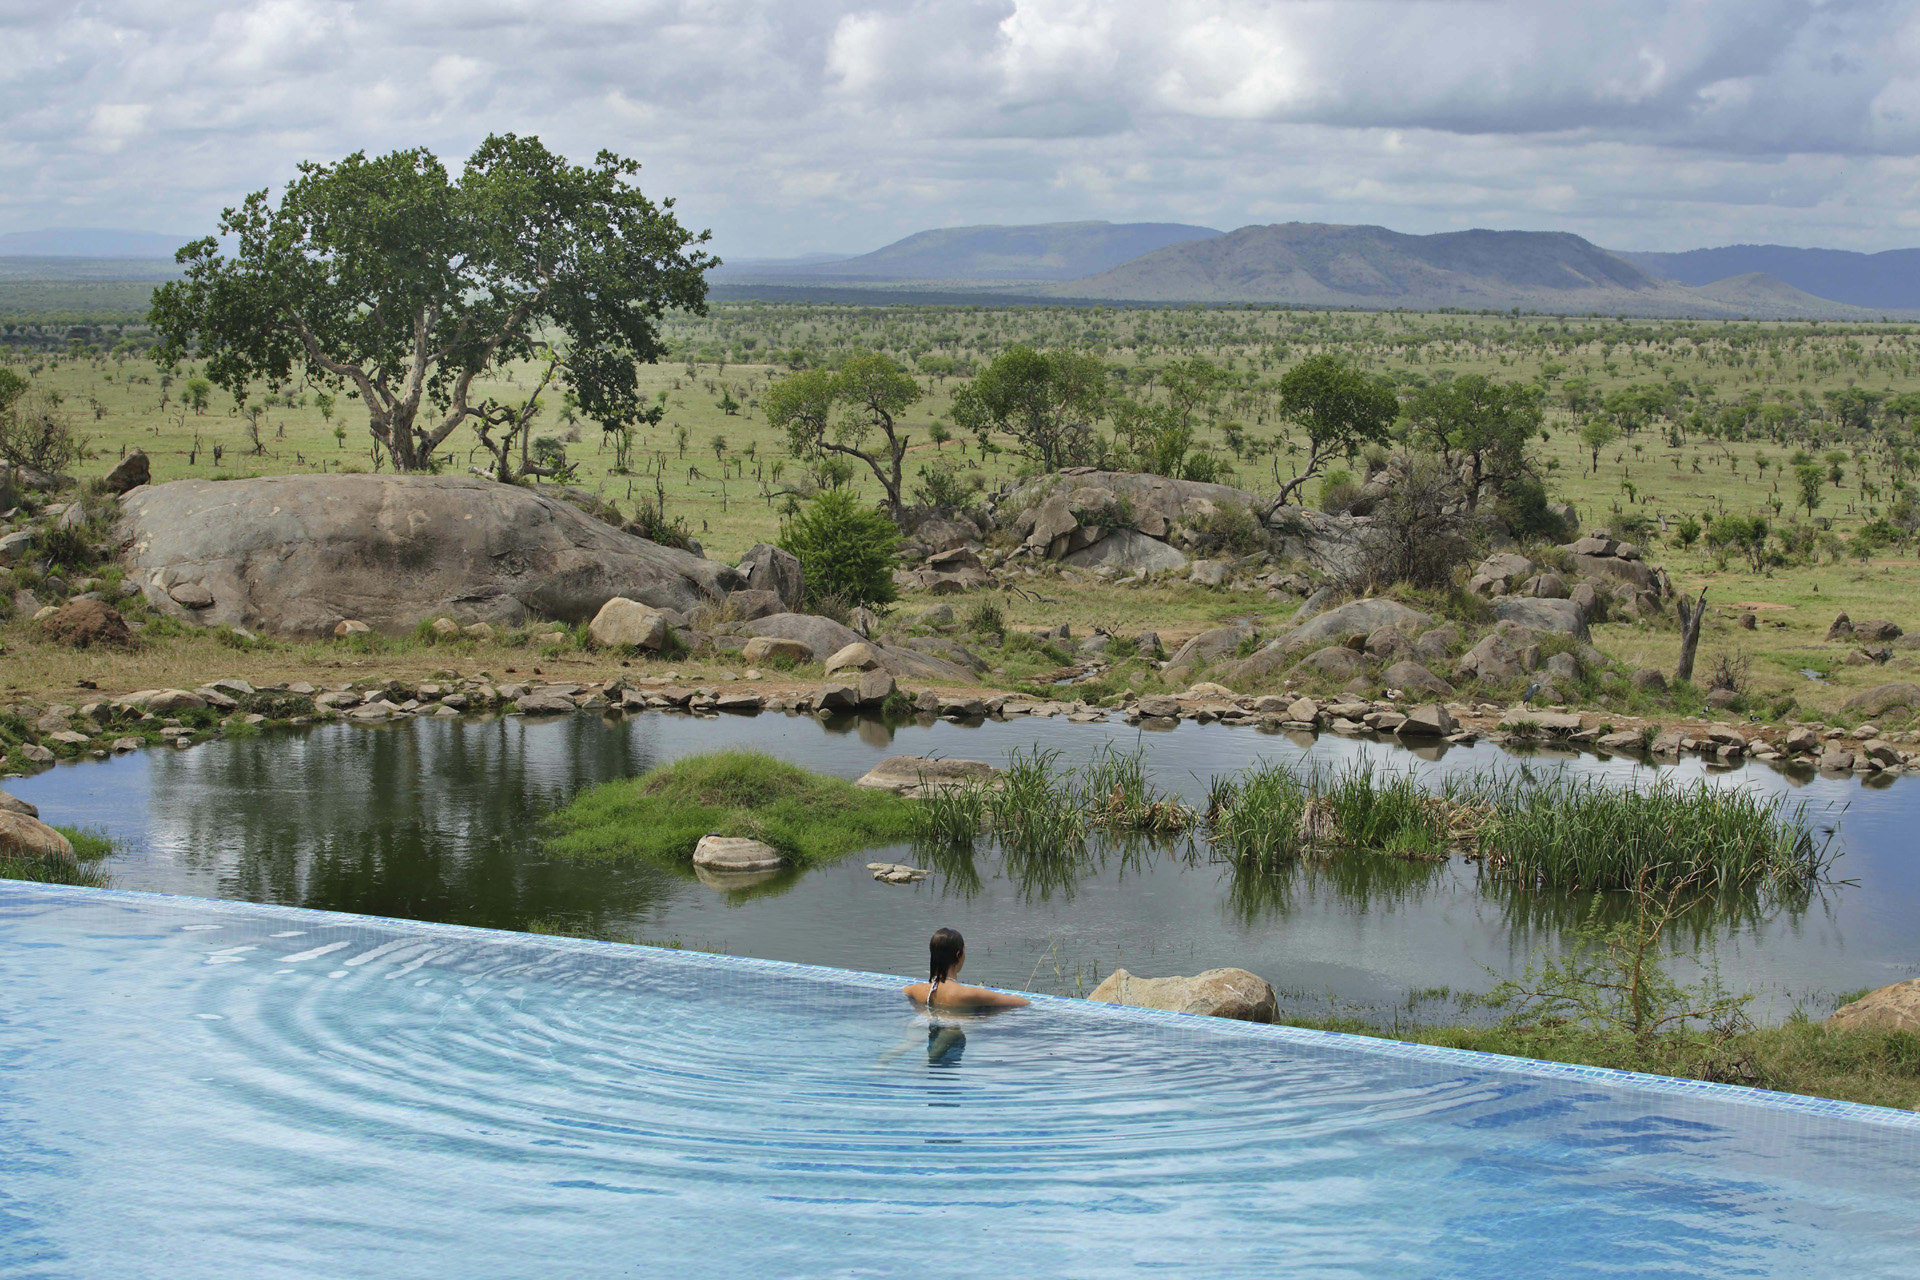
(1729,406)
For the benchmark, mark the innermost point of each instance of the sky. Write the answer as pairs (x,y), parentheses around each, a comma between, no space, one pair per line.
(798,126)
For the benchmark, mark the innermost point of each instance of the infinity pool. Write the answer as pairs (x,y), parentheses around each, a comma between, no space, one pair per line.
(198,1089)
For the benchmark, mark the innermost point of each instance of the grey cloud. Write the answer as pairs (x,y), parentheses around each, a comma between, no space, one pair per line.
(838,124)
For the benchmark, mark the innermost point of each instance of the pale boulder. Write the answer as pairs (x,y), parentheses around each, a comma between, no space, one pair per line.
(1891,1008)
(736,854)
(25,837)
(627,624)
(1216,993)
(769,649)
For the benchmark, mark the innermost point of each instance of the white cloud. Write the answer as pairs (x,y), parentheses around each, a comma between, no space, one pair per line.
(838,124)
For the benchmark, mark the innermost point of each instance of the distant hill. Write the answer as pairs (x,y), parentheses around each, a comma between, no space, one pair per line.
(1880,281)
(89,242)
(987,254)
(1316,264)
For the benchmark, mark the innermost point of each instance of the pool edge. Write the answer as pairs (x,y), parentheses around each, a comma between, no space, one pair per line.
(1804,1104)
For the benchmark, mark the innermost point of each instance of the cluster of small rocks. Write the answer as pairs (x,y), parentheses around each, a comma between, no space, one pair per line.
(1207,703)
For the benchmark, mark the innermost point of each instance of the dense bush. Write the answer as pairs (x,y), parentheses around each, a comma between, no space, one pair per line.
(844,548)
(1421,530)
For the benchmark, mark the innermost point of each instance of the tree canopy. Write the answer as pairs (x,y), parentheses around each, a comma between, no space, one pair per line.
(1047,401)
(1484,424)
(841,411)
(1339,407)
(401,284)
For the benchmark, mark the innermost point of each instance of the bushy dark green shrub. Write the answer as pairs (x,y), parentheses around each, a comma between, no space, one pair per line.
(845,549)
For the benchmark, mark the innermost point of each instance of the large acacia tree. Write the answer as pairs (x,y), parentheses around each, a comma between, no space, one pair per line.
(1047,401)
(1339,407)
(1481,425)
(853,411)
(401,284)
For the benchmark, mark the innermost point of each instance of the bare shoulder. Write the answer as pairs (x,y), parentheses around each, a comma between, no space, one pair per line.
(917,991)
(983,998)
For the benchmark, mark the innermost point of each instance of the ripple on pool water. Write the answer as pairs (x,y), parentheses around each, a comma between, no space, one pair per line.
(364,1098)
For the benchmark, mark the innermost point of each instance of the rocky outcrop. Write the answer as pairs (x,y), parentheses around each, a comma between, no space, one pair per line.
(1355,618)
(916,777)
(766,567)
(1216,993)
(826,638)
(1884,697)
(1129,551)
(294,555)
(1892,1008)
(1542,615)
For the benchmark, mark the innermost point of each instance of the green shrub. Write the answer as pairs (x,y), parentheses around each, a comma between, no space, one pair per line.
(844,548)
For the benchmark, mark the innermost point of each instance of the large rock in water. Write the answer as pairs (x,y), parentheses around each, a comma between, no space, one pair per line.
(293,555)
(1217,993)
(1894,1008)
(736,853)
(916,777)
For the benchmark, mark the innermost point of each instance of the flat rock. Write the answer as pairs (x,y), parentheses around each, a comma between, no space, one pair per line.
(14,804)
(916,777)
(539,703)
(293,554)
(1559,723)
(736,854)
(1216,993)
(1335,660)
(858,656)
(1890,1008)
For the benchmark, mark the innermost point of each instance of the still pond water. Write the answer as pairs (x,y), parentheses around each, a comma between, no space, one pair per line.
(439,820)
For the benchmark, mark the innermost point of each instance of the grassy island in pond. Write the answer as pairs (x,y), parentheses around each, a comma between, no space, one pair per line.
(810,818)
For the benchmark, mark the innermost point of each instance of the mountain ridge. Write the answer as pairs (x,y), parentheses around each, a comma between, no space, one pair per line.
(985,253)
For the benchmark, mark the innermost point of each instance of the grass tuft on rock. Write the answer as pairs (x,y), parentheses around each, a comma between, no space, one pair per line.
(810,818)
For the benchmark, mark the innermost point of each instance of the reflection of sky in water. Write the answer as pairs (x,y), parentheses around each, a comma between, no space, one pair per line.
(438,820)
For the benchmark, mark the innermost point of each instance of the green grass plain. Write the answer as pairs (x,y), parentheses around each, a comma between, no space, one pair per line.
(725,472)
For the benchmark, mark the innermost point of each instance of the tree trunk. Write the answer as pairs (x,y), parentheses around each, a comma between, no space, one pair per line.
(1690,620)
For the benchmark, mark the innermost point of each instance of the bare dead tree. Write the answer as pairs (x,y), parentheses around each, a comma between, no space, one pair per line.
(1690,619)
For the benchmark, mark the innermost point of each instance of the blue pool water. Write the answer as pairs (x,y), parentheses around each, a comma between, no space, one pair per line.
(209,1089)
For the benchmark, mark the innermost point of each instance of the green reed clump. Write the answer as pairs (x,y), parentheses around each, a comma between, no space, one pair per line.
(1576,833)
(1034,810)
(1390,812)
(952,816)
(1259,816)
(1116,794)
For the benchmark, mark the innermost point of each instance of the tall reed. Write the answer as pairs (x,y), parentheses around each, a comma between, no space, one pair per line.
(1576,833)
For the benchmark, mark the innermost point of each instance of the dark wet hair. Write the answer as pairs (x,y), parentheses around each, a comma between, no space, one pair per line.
(943,952)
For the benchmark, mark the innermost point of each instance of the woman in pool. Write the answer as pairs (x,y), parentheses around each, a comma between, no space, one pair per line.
(943,990)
